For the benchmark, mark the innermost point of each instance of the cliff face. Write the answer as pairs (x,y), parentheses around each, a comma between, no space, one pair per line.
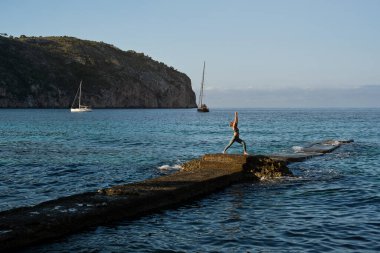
(45,72)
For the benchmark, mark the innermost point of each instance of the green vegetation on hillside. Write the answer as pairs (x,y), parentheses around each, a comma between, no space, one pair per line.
(46,71)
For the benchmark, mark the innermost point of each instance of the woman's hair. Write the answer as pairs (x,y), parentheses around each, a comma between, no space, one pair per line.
(231,123)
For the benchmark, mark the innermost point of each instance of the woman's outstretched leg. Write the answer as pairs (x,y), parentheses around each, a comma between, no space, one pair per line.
(229,145)
(244,145)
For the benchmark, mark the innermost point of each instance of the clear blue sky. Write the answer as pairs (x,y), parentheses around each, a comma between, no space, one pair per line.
(246,44)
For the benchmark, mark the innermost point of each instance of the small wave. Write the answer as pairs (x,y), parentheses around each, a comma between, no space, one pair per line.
(297,149)
(168,167)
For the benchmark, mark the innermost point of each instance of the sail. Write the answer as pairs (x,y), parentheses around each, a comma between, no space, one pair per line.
(202,85)
(76,95)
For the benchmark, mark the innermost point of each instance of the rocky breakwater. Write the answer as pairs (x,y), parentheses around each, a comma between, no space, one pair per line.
(44,72)
(25,226)
(309,151)
(258,167)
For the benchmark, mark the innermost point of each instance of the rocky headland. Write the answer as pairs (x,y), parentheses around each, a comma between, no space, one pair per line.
(44,72)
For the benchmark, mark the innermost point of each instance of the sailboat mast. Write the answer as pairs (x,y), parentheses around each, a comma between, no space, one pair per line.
(80,92)
(203,79)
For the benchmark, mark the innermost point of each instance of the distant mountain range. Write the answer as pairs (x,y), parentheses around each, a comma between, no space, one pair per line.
(364,96)
(44,72)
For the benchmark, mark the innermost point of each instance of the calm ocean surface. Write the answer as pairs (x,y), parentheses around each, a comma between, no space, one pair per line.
(333,205)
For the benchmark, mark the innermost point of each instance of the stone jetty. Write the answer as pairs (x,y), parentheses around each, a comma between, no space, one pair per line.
(310,151)
(25,226)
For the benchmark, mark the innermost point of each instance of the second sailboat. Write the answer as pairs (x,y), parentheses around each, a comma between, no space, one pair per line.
(202,107)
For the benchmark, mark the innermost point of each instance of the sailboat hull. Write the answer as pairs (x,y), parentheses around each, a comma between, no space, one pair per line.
(202,110)
(80,110)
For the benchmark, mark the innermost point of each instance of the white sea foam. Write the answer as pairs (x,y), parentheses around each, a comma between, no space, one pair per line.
(5,231)
(297,149)
(164,167)
(170,167)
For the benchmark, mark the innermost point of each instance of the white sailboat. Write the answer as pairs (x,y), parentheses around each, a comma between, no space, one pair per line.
(80,108)
(202,107)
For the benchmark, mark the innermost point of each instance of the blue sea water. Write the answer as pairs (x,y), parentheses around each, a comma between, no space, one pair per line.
(333,205)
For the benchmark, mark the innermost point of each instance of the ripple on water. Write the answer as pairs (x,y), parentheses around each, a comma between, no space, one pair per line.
(332,204)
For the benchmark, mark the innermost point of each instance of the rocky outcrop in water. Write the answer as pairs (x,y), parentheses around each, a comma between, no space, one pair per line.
(25,226)
(258,167)
(45,72)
